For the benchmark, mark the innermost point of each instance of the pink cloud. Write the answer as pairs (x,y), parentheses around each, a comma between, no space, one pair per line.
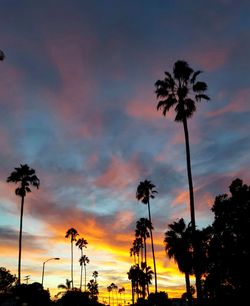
(72,101)
(239,104)
(208,56)
(118,174)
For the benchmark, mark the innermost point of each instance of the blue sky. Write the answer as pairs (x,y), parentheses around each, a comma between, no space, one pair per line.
(78,105)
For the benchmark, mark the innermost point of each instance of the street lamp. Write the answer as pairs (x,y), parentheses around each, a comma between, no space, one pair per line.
(54,258)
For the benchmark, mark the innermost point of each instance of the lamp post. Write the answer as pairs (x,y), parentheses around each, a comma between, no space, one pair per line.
(54,258)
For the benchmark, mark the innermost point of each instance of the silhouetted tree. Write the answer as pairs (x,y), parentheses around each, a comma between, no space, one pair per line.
(145,192)
(31,295)
(229,247)
(93,287)
(66,286)
(2,55)
(136,248)
(159,299)
(84,260)
(121,291)
(25,177)
(178,245)
(109,290)
(6,280)
(76,298)
(181,91)
(72,234)
(143,227)
(95,275)
(114,288)
(81,243)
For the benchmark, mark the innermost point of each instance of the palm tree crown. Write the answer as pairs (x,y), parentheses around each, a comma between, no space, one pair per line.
(25,176)
(81,243)
(175,90)
(84,260)
(72,234)
(145,191)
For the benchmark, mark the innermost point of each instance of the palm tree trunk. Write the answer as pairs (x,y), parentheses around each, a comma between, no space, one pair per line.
(20,242)
(85,276)
(72,282)
(81,273)
(192,210)
(145,256)
(189,296)
(152,244)
(133,292)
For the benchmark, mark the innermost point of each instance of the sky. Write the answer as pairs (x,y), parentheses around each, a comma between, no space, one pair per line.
(78,105)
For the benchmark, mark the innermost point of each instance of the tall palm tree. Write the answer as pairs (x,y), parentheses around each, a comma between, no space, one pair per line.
(145,192)
(143,226)
(72,234)
(133,276)
(95,275)
(135,250)
(179,247)
(145,279)
(181,91)
(25,177)
(109,290)
(121,291)
(84,260)
(81,243)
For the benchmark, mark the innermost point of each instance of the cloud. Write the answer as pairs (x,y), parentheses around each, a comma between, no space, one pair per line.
(239,104)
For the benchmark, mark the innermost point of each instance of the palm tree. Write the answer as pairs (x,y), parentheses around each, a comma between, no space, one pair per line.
(121,291)
(95,275)
(109,290)
(83,261)
(133,276)
(135,250)
(145,192)
(65,286)
(181,91)
(81,243)
(25,176)
(72,234)
(115,288)
(141,231)
(148,277)
(2,55)
(179,247)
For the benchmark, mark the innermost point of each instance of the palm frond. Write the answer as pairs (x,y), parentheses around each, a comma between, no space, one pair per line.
(194,76)
(199,97)
(199,87)
(182,71)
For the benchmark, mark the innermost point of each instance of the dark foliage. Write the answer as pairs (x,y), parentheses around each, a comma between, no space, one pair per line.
(77,298)
(6,280)
(32,295)
(229,248)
